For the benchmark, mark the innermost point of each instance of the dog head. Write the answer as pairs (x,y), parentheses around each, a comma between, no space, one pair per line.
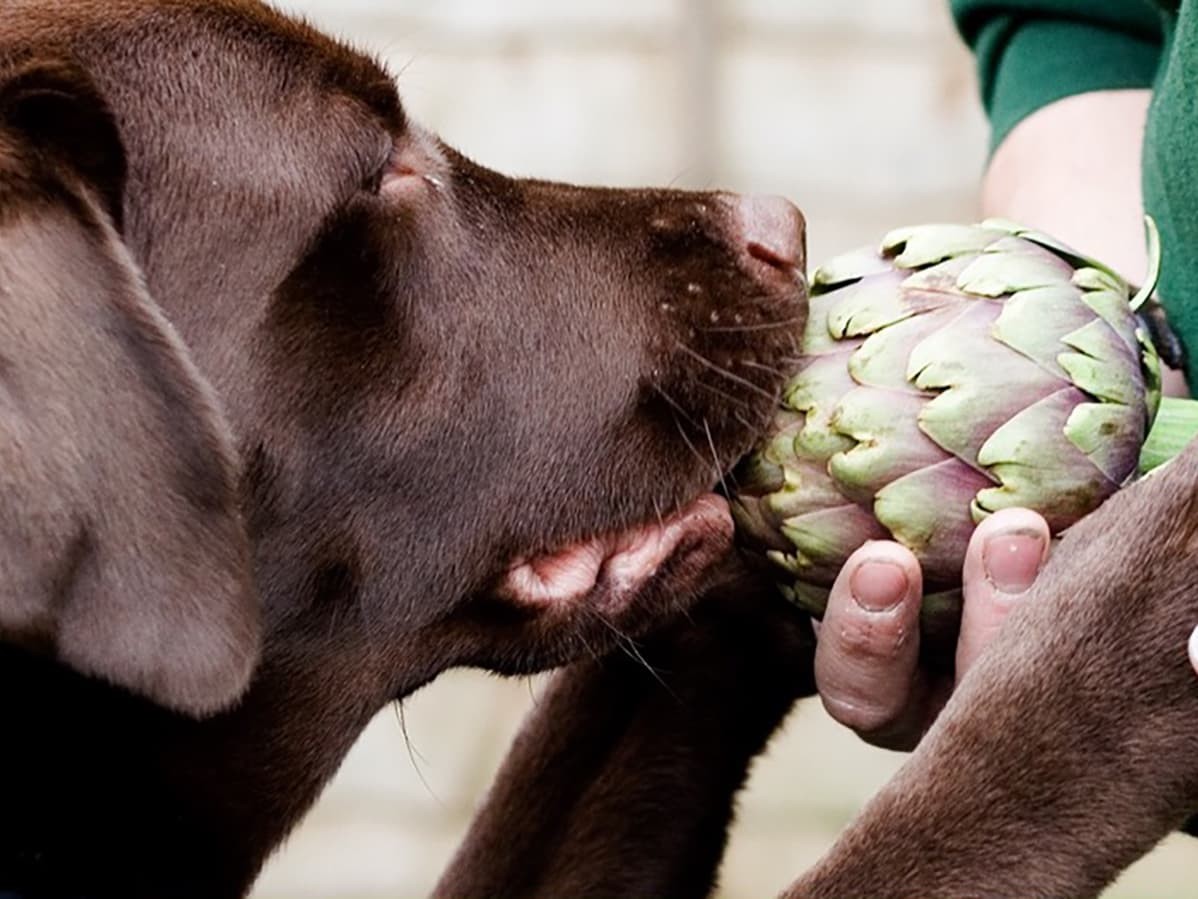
(439,413)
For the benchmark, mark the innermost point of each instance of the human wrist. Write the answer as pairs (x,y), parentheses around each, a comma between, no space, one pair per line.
(1047,175)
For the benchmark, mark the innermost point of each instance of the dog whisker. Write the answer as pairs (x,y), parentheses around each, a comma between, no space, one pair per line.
(715,457)
(753,328)
(733,401)
(590,650)
(683,609)
(414,755)
(749,426)
(772,369)
(687,441)
(723,372)
(673,403)
(628,646)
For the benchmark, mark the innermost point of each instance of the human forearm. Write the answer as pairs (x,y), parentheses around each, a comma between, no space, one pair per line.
(1072,169)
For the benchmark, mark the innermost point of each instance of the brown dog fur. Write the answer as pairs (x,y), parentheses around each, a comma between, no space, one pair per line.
(1072,748)
(277,413)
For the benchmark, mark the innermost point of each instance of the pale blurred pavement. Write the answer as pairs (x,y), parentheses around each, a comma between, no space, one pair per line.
(862,112)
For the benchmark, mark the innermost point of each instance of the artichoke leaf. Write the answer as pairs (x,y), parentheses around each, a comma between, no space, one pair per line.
(824,540)
(889,444)
(962,362)
(928,512)
(877,302)
(924,245)
(882,359)
(848,267)
(1012,265)
(1039,467)
(1102,366)
(1111,306)
(1032,322)
(1109,434)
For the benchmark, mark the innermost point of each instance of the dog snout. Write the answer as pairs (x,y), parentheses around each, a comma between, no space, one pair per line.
(773,231)
(732,309)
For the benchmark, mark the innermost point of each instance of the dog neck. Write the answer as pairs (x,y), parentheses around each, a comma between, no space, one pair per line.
(201,803)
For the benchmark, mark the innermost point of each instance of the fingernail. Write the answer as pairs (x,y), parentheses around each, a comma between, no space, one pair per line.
(1012,561)
(878,586)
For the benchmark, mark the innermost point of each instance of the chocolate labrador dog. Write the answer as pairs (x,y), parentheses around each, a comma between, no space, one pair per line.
(1067,752)
(300,407)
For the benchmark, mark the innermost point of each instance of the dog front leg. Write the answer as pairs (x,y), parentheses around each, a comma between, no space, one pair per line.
(1071,748)
(623,780)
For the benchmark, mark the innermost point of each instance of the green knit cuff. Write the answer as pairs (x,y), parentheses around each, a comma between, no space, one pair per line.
(1025,64)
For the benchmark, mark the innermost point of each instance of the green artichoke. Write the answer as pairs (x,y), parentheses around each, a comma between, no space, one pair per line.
(956,371)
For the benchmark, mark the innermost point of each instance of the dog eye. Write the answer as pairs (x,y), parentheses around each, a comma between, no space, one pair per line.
(400,176)
(403,180)
(415,168)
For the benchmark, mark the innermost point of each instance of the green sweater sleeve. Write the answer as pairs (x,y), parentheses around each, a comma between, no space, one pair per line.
(1032,52)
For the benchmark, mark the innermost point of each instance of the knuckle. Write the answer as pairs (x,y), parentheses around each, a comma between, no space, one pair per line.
(872,642)
(865,716)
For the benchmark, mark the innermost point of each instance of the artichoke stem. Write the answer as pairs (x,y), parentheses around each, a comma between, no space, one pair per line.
(1176,424)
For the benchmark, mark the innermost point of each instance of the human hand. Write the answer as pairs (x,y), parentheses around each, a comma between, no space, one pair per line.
(867,662)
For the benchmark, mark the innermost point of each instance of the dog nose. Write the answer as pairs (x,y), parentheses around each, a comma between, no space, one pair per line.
(774,231)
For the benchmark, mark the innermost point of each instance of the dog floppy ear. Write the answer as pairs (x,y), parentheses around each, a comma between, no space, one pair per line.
(57,111)
(122,550)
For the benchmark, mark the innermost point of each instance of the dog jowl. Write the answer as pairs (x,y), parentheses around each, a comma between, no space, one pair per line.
(301,407)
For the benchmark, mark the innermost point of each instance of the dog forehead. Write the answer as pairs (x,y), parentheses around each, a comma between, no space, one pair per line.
(225,35)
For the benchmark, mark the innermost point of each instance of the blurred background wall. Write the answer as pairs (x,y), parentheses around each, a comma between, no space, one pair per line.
(862,112)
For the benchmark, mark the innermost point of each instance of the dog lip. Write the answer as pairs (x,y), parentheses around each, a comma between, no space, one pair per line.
(625,559)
